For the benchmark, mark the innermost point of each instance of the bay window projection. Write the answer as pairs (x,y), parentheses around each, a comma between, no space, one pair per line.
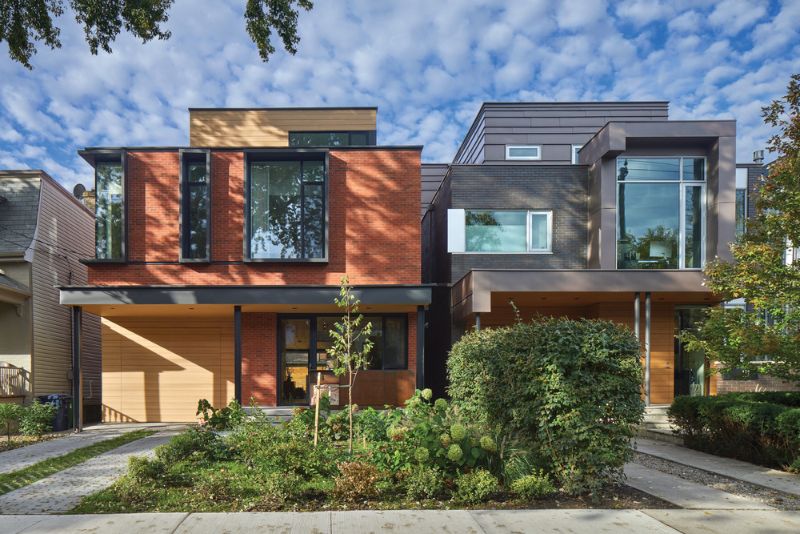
(109,210)
(660,212)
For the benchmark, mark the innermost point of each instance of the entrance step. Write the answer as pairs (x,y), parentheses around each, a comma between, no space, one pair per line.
(659,434)
(280,414)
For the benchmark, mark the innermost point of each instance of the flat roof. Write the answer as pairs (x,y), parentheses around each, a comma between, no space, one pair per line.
(290,108)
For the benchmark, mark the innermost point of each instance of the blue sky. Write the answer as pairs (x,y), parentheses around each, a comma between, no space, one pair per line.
(427,65)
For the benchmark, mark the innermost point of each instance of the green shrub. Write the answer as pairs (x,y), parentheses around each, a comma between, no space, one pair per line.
(193,445)
(533,486)
(476,486)
(424,482)
(143,470)
(9,418)
(36,419)
(226,418)
(568,391)
(739,425)
(356,481)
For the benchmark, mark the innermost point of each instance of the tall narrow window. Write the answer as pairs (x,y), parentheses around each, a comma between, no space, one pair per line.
(741,210)
(287,210)
(660,212)
(109,210)
(195,206)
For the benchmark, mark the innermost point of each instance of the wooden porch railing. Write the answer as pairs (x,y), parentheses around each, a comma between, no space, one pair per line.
(13,382)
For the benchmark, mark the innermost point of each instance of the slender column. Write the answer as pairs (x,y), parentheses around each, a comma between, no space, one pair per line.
(420,347)
(77,375)
(477,321)
(237,352)
(637,315)
(647,315)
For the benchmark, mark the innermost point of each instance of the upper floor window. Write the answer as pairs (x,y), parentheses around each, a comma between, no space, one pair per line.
(741,200)
(500,231)
(195,205)
(523,152)
(318,139)
(660,212)
(575,153)
(109,209)
(286,209)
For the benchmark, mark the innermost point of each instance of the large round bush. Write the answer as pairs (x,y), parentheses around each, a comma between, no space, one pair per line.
(567,390)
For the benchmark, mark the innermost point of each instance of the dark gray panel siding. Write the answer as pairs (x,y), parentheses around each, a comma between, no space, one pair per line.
(562,189)
(553,126)
(432,174)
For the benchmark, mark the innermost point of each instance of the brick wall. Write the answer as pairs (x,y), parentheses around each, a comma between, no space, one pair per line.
(373,228)
(762,383)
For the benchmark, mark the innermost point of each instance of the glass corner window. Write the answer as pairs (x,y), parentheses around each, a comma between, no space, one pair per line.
(661,212)
(109,210)
(195,206)
(509,231)
(523,152)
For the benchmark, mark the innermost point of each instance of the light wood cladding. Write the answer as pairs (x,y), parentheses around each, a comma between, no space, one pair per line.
(271,127)
(156,371)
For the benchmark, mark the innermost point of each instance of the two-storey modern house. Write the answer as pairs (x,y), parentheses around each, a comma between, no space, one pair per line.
(216,265)
(44,233)
(594,210)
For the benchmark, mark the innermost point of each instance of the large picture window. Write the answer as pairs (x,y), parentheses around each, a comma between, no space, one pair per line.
(287,210)
(660,212)
(109,210)
(509,231)
(195,207)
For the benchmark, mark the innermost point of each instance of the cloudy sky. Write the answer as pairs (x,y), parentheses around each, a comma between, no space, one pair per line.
(426,64)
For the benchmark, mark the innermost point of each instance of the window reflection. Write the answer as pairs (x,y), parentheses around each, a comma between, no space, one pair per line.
(108,210)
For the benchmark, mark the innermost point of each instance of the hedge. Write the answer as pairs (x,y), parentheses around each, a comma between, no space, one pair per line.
(749,426)
(567,391)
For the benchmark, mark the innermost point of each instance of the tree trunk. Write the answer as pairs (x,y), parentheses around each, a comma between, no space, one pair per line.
(350,413)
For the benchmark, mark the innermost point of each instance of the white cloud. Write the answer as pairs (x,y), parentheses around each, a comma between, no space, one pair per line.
(426,67)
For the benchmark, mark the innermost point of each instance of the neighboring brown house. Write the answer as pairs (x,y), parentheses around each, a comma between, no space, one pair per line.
(217,264)
(44,232)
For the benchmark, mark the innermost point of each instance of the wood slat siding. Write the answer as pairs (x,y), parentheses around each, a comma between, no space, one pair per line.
(270,128)
(662,334)
(554,126)
(156,372)
(66,224)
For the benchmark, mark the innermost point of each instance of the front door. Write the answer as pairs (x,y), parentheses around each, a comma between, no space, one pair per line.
(295,360)
(690,365)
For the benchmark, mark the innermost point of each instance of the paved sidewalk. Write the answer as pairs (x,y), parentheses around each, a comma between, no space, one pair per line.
(755,474)
(419,521)
(17,459)
(685,493)
(62,491)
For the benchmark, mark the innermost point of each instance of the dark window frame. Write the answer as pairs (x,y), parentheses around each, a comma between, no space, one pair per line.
(257,156)
(113,156)
(187,156)
(371,138)
(312,342)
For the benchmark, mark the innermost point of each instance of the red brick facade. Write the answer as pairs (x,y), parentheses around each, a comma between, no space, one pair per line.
(373,232)
(373,212)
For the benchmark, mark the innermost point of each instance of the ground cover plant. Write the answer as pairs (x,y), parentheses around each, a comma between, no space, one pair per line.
(429,453)
(45,468)
(762,427)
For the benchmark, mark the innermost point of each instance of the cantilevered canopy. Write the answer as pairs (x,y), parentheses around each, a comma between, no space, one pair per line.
(396,295)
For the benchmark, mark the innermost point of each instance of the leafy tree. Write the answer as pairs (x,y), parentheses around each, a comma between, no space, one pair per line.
(351,344)
(26,22)
(766,339)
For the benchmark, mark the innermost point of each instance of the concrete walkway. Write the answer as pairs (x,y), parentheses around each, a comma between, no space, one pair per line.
(62,491)
(17,459)
(754,474)
(685,493)
(419,521)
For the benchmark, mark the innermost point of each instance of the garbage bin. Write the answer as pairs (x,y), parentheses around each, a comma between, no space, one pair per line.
(63,417)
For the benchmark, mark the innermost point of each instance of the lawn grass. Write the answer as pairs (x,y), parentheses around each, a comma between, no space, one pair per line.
(18,479)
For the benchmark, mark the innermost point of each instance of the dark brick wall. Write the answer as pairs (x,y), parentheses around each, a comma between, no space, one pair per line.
(560,188)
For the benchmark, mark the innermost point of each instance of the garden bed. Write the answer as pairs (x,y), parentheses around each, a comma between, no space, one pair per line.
(20,441)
